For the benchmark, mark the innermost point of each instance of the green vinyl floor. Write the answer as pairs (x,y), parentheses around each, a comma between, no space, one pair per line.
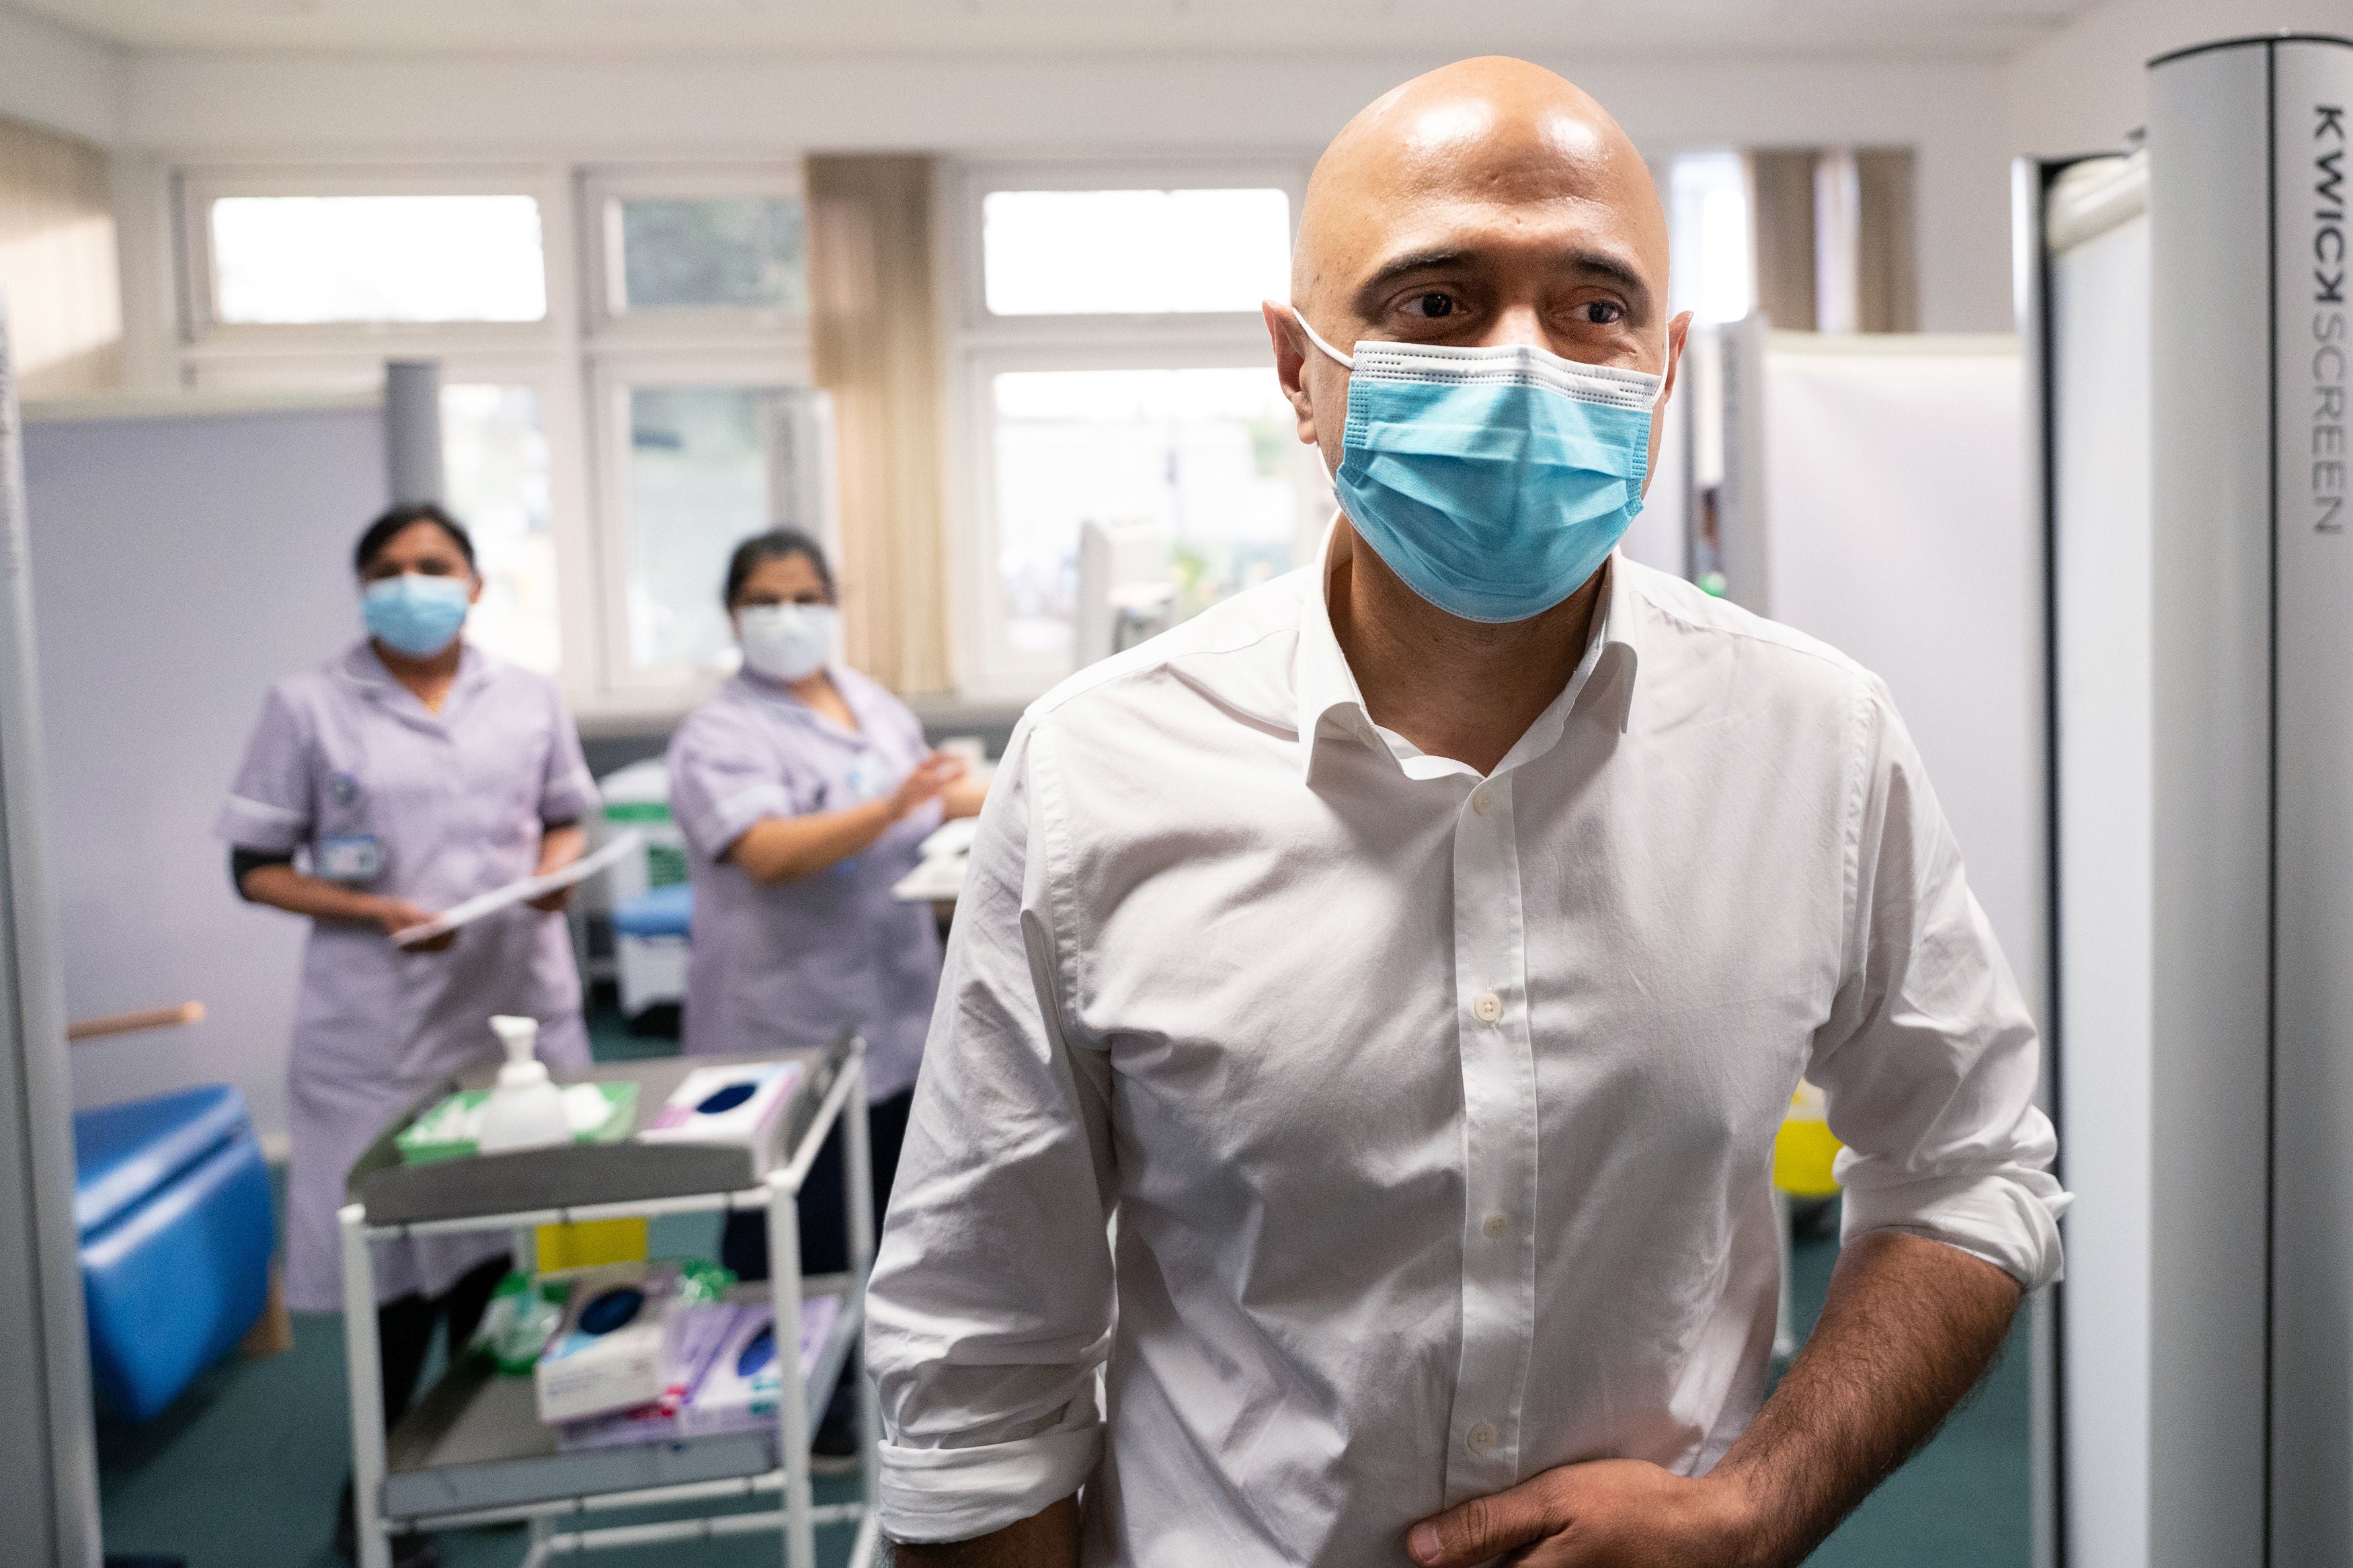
(243,1471)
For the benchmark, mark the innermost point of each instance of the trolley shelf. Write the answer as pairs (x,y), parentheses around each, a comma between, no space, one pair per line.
(497,1188)
(475,1445)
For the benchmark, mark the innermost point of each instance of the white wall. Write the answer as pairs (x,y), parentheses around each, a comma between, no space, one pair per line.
(51,77)
(2082,89)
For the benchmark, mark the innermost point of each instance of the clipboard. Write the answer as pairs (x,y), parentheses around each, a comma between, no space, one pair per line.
(520,892)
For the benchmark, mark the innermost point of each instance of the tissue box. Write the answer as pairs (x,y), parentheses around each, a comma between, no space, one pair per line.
(608,1354)
(740,1388)
(724,1104)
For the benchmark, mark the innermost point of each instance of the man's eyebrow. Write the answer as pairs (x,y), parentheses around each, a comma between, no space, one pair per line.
(1590,263)
(1601,264)
(1415,261)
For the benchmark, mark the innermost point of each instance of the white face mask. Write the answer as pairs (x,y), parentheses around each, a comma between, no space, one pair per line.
(787,642)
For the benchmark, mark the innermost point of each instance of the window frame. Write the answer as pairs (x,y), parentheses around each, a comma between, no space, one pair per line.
(611,377)
(196,186)
(599,190)
(575,358)
(981,345)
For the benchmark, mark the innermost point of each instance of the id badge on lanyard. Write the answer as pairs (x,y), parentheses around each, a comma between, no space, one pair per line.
(349,855)
(869,776)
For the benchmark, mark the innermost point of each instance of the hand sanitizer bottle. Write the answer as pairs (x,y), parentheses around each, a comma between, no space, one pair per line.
(525,1110)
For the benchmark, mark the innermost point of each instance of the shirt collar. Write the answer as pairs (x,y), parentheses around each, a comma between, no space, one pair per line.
(769,694)
(1332,705)
(365,669)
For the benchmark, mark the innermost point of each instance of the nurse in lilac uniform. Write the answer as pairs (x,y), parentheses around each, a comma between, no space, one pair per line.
(404,776)
(805,790)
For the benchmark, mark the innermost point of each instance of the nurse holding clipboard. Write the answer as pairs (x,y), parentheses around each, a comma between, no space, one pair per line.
(403,776)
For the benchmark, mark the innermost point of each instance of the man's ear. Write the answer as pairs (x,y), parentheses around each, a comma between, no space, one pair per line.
(1290,363)
(1678,332)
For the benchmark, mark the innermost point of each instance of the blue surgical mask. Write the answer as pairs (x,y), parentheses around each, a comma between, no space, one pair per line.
(1494,480)
(418,615)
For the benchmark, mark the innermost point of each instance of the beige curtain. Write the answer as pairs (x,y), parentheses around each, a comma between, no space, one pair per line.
(1781,191)
(874,318)
(58,264)
(1887,281)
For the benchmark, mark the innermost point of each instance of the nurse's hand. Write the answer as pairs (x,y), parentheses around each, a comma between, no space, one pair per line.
(930,778)
(559,846)
(396,915)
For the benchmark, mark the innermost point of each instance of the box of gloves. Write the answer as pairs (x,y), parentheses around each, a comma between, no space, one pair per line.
(721,1374)
(692,1338)
(617,1347)
(739,1388)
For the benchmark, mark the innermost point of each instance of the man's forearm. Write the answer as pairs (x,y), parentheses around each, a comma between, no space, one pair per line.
(1909,1326)
(1045,1539)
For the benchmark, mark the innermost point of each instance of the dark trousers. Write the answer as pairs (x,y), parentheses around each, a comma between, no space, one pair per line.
(404,1330)
(822,1206)
(403,1333)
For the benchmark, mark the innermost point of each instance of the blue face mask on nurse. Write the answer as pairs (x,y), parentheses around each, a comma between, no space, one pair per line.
(415,602)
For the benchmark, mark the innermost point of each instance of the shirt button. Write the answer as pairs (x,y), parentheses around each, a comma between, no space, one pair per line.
(1496,1226)
(1488,1007)
(1480,1438)
(1482,801)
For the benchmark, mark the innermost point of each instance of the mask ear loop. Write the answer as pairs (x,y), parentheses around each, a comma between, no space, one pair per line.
(1346,361)
(1667,368)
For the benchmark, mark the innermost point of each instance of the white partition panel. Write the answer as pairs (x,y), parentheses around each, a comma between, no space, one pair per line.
(2098,337)
(185,556)
(1898,530)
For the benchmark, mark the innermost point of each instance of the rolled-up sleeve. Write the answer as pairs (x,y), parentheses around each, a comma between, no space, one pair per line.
(991,1303)
(1929,1061)
(269,805)
(723,777)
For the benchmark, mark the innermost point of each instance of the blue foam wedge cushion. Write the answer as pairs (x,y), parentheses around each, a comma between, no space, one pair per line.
(175,1284)
(124,1153)
(616,1309)
(726,1099)
(758,1354)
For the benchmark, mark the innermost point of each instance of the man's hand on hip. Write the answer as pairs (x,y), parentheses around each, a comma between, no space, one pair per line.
(1610,1513)
(1909,1326)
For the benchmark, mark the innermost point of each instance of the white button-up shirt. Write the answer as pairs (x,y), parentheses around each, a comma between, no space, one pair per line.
(1436,1111)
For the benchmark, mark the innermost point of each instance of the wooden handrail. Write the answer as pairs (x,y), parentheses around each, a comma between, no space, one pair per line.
(132,1023)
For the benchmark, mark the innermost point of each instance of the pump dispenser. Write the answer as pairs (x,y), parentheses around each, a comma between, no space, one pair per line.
(526,1109)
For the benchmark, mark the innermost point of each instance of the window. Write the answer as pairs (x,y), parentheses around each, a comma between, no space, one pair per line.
(709,467)
(1062,253)
(625,372)
(495,467)
(287,260)
(1714,269)
(739,252)
(1116,372)
(1203,458)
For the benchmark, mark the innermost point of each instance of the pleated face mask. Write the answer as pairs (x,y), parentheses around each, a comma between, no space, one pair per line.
(1494,480)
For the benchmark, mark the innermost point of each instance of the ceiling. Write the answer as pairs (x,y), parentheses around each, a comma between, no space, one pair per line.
(1916,29)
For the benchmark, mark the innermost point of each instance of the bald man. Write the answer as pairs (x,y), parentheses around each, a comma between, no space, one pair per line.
(1415,956)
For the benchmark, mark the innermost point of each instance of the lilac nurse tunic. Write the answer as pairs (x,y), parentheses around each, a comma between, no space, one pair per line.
(788,965)
(453,802)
